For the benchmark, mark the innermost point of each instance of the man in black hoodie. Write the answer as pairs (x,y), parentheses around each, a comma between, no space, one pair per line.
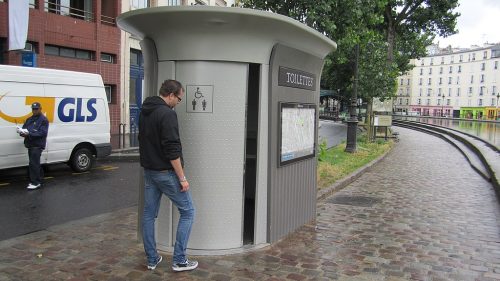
(161,157)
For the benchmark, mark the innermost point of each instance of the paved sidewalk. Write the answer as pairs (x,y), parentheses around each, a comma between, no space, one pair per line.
(421,214)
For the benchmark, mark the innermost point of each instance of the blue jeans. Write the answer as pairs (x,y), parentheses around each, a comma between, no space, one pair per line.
(157,183)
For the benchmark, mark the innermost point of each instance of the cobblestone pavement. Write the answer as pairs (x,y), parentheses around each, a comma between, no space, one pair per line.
(420,214)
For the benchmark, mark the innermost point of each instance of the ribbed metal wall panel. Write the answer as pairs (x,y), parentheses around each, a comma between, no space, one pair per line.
(292,188)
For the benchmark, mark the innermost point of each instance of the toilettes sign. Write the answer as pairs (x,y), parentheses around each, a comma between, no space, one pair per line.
(296,79)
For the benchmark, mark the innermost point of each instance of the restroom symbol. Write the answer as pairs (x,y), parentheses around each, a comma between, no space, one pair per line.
(200,98)
(198,94)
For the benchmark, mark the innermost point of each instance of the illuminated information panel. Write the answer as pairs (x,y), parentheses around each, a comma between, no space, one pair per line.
(298,127)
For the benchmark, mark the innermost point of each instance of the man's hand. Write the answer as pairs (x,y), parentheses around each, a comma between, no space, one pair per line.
(184,186)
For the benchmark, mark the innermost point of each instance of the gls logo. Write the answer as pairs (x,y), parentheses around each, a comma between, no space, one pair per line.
(69,111)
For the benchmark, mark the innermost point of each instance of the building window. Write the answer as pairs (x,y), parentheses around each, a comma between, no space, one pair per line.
(438,101)
(109,93)
(441,70)
(449,92)
(173,3)
(458,92)
(32,4)
(428,102)
(421,71)
(135,58)
(429,91)
(80,9)
(461,58)
(429,82)
(68,52)
(432,61)
(139,4)
(496,65)
(449,80)
(420,92)
(451,60)
(458,80)
(442,60)
(492,102)
(494,90)
(485,54)
(407,101)
(480,102)
(483,66)
(407,91)
(470,91)
(472,79)
(451,69)
(422,62)
(419,101)
(459,68)
(408,82)
(439,92)
(107,58)
(495,53)
(430,70)
(3,49)
(440,80)
(401,83)
(473,56)
(482,78)
(420,81)
(481,90)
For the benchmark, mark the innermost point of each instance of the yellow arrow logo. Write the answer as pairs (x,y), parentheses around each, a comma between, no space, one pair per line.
(48,105)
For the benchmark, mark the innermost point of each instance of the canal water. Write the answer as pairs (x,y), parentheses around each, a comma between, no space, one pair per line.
(489,131)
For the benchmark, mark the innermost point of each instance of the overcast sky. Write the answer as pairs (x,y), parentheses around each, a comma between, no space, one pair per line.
(478,23)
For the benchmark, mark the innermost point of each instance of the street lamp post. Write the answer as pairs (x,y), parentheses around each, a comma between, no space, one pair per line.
(498,114)
(352,122)
(442,108)
(360,103)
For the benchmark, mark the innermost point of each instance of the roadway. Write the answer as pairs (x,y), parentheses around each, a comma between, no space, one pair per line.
(66,196)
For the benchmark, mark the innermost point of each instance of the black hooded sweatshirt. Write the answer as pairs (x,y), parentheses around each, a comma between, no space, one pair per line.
(159,140)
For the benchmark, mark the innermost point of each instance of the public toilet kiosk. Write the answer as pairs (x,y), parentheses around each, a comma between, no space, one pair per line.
(248,121)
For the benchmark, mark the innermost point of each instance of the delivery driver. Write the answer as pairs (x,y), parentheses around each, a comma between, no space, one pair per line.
(34,132)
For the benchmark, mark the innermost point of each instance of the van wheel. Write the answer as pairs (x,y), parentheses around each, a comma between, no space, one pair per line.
(81,160)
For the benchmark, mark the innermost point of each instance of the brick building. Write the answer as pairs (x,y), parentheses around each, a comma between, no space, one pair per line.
(77,35)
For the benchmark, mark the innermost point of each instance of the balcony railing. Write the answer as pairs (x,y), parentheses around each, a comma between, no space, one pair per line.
(69,11)
(108,20)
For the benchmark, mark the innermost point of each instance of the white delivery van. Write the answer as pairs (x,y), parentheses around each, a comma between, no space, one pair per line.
(74,103)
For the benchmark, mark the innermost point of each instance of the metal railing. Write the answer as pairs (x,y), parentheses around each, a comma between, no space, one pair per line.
(108,20)
(69,11)
(487,130)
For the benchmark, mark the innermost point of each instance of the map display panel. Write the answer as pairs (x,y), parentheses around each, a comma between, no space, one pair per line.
(298,128)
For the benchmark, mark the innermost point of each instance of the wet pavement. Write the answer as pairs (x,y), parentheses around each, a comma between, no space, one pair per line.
(420,214)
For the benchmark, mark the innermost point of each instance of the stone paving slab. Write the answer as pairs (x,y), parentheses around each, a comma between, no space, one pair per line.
(421,214)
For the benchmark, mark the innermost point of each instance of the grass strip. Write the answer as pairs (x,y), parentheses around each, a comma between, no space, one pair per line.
(335,163)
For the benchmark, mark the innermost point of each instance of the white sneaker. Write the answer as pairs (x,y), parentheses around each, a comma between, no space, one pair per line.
(153,266)
(32,186)
(187,265)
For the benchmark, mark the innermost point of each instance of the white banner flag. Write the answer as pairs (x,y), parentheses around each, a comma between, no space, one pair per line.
(18,24)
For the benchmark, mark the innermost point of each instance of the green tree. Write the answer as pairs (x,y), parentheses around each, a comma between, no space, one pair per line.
(411,25)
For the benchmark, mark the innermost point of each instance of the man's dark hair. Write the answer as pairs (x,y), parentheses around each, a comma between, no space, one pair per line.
(170,86)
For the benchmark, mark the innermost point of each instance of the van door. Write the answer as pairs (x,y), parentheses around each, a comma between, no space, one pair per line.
(15,107)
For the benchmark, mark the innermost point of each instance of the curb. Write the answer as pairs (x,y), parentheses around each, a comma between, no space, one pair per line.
(340,184)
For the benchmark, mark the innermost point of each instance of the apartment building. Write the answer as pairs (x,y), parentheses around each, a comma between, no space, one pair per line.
(77,35)
(132,70)
(463,83)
